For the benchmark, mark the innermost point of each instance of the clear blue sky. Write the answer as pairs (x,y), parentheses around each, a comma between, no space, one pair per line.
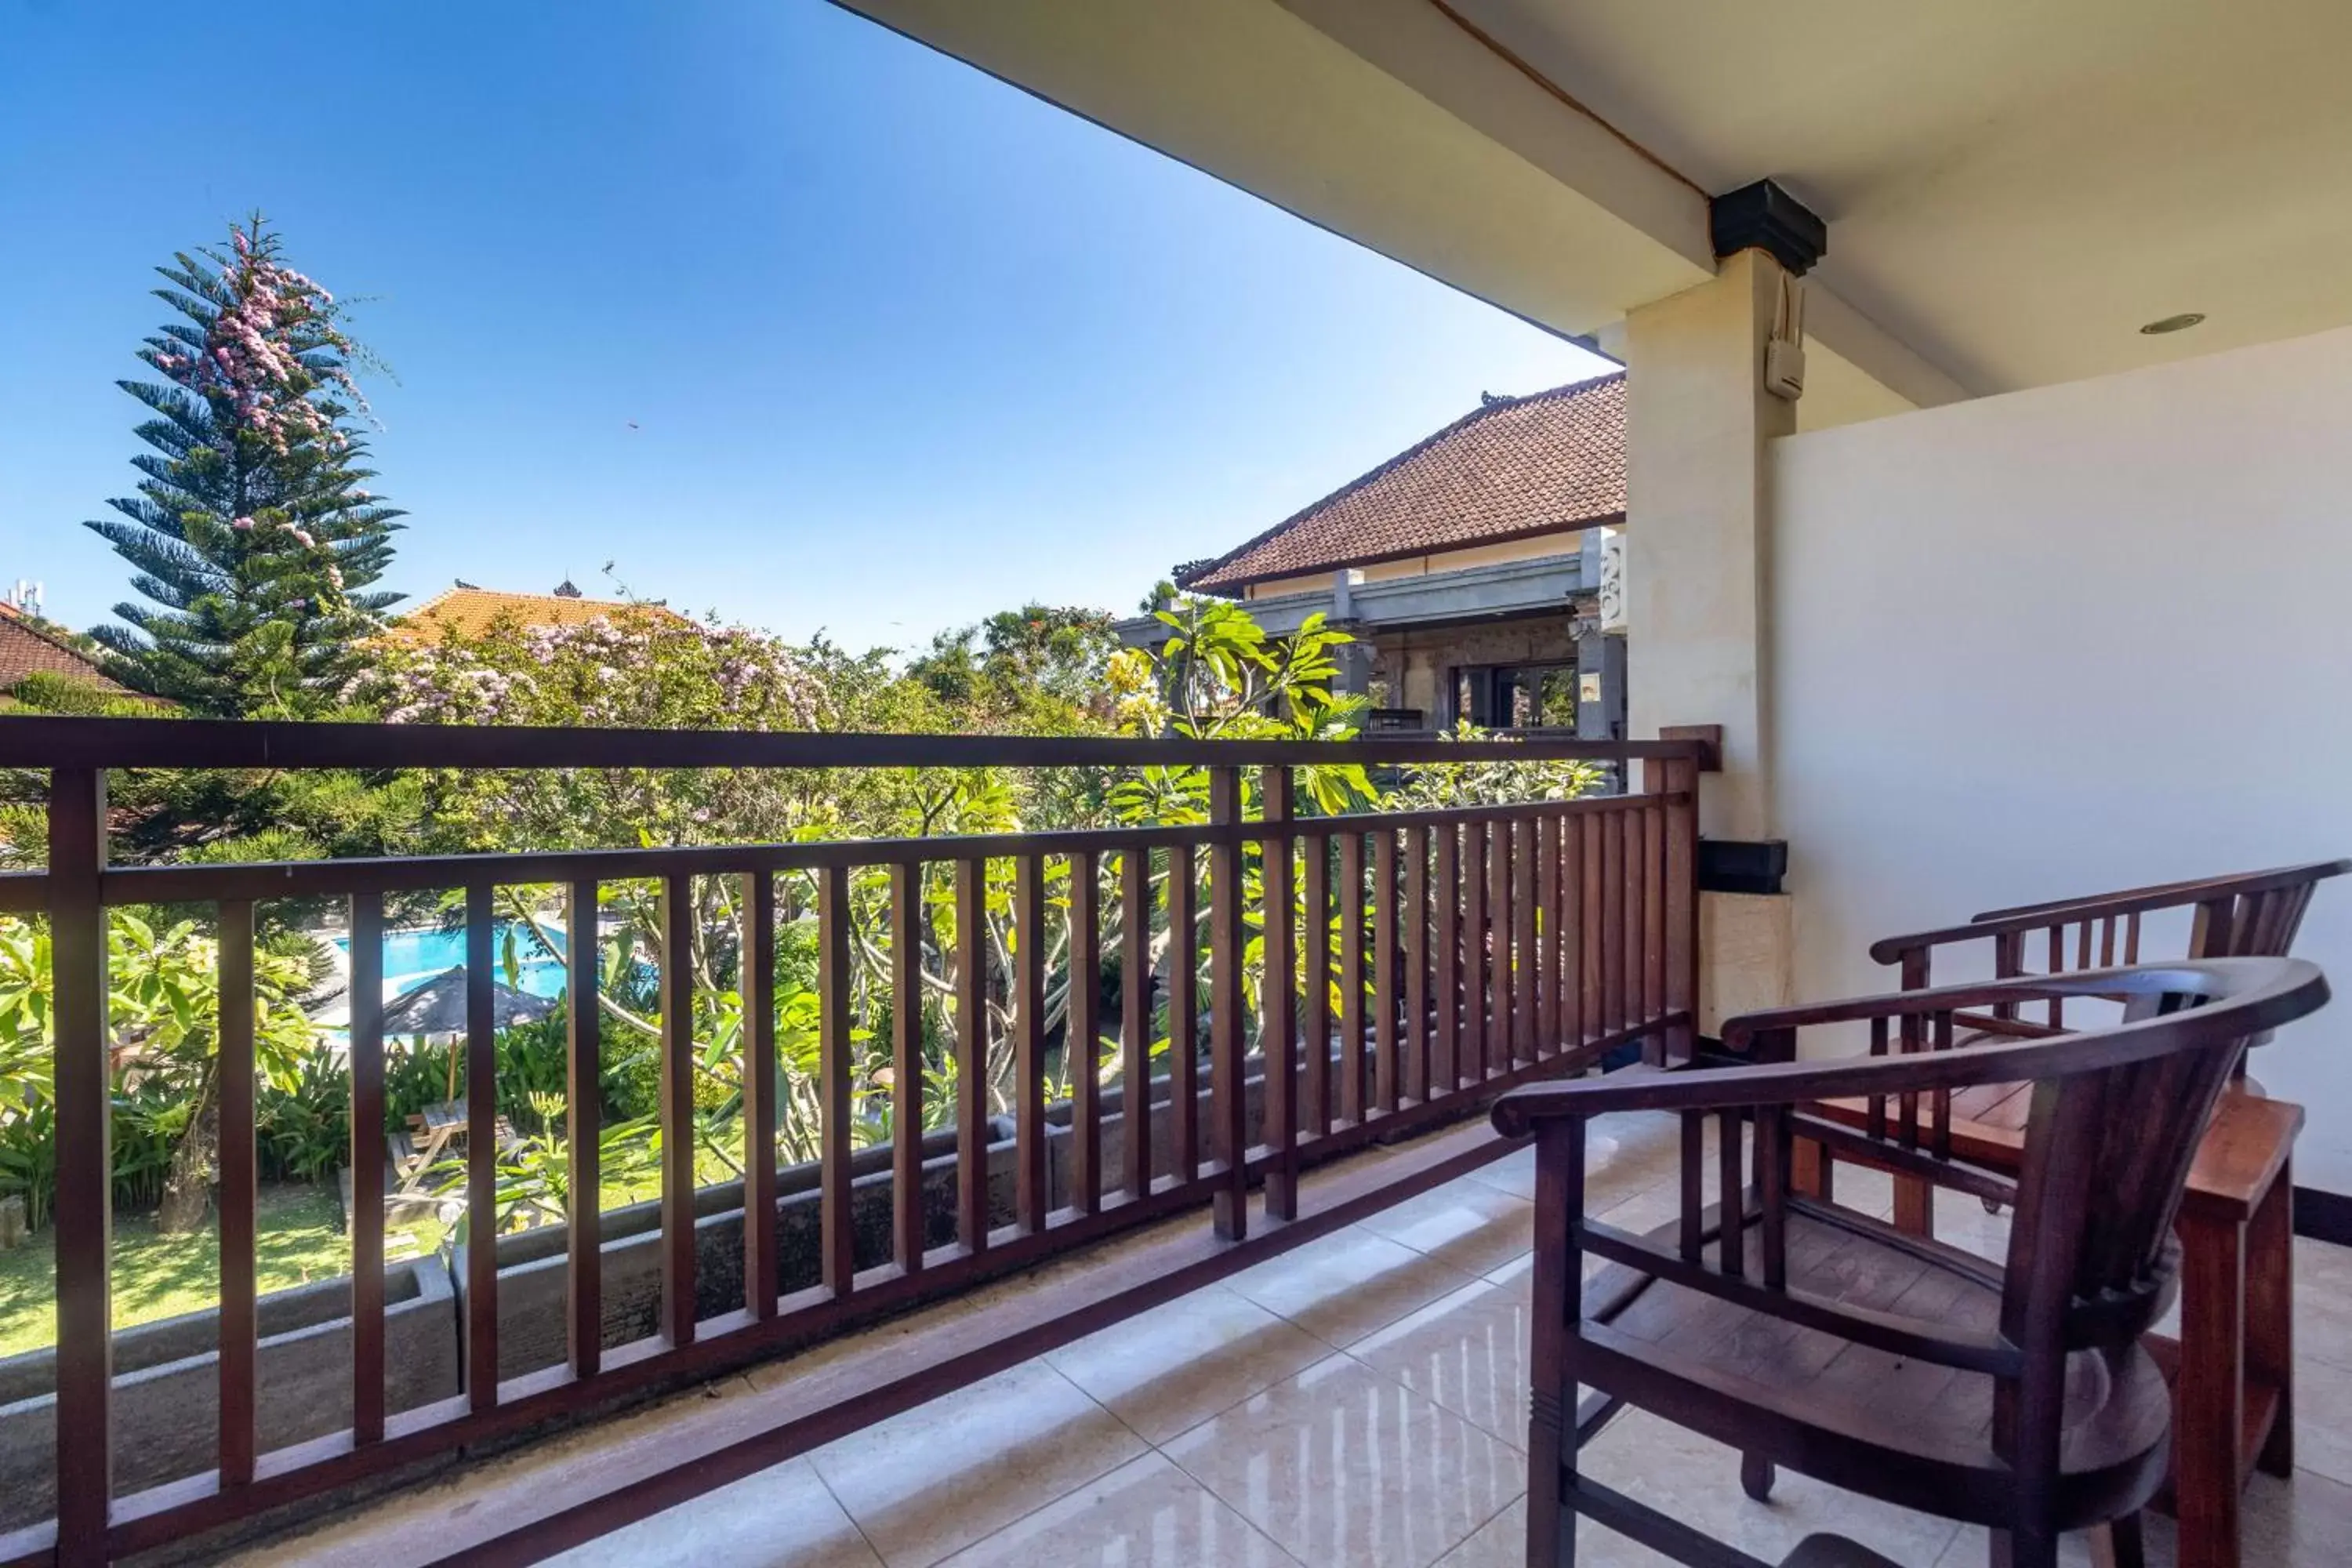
(789,317)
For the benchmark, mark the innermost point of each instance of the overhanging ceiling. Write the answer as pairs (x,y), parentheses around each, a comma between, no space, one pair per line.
(2012,187)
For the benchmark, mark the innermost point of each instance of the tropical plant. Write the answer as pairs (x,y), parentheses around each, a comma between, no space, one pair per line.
(162,1012)
(251,537)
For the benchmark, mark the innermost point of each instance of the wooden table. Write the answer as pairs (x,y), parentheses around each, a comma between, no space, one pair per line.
(2232,1368)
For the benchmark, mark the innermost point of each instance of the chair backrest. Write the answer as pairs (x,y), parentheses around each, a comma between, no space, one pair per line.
(2117,1117)
(2247,914)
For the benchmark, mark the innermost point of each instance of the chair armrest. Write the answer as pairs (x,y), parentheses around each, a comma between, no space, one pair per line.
(2285,996)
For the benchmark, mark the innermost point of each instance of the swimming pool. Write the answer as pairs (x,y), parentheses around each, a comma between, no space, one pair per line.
(412,957)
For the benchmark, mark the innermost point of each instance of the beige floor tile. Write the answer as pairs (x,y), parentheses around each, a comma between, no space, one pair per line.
(1346,1468)
(1624,1153)
(947,1474)
(1961,1221)
(2303,1523)
(1344,1285)
(1177,1365)
(1465,1223)
(1467,1352)
(2323,1301)
(2323,1419)
(780,1518)
(1145,1514)
(1697,1480)
(1502,1542)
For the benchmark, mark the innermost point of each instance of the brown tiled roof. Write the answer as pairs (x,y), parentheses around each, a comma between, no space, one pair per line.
(469,612)
(1519,466)
(27,648)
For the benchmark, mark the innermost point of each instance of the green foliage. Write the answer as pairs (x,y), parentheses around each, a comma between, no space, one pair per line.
(1038,670)
(251,537)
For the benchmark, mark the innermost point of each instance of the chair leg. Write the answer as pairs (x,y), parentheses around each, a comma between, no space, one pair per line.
(2024,1548)
(2117,1544)
(1756,1475)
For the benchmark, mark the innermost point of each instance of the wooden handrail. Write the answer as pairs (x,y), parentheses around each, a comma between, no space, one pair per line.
(1480,948)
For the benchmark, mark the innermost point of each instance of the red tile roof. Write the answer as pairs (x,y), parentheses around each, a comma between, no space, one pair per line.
(469,612)
(27,648)
(1545,463)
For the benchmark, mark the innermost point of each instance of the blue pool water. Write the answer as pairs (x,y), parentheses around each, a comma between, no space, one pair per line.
(413,957)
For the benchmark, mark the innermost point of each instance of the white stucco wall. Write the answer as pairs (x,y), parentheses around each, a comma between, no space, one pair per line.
(2069,639)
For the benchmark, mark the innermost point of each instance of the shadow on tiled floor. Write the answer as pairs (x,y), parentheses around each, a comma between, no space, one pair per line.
(1361,1403)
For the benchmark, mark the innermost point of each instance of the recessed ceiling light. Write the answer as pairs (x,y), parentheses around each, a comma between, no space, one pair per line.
(2180,323)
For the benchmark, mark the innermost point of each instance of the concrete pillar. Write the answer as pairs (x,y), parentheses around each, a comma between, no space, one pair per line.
(1698,534)
(1698,528)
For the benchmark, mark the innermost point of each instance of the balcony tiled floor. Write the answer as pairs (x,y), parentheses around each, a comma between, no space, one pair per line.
(1362,1402)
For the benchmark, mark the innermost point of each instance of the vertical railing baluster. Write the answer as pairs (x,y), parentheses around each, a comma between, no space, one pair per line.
(761,1276)
(1228,1136)
(1445,1068)
(1184,1014)
(1471,1065)
(1592,926)
(83,1206)
(1636,915)
(2131,937)
(1613,930)
(1277,1033)
(482,1154)
(2106,942)
(1653,910)
(1500,1034)
(237,1193)
(1523,939)
(1314,1024)
(1547,937)
(1387,1074)
(1135,1021)
(1351,977)
(1681,869)
(1082,1037)
(836,1228)
(1567,951)
(367,1168)
(1416,964)
(971,1055)
(1033,1198)
(583,1115)
(907,1217)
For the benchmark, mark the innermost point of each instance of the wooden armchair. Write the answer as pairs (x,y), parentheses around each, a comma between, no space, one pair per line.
(2252,914)
(2015,1394)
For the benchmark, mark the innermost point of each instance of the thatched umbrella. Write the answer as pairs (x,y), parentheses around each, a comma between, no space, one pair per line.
(438,1007)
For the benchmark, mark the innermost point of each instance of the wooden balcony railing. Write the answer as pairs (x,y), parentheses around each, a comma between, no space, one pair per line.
(1408,967)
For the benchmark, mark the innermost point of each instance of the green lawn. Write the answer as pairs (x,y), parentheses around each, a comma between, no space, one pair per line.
(299,1238)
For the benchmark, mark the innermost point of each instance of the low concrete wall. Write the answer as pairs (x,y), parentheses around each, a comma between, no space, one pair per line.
(167,1378)
(166,1406)
(533,1329)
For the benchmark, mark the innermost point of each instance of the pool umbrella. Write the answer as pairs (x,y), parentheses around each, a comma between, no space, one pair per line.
(438,1007)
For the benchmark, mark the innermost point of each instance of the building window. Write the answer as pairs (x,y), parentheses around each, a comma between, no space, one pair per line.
(1516,696)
